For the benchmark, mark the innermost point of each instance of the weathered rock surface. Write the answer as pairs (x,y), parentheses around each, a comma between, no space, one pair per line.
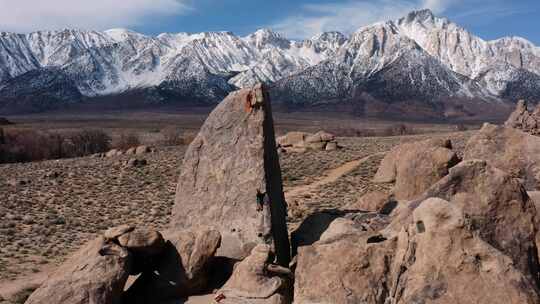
(97,273)
(292,139)
(509,149)
(347,269)
(232,158)
(414,167)
(256,280)
(485,193)
(180,271)
(142,241)
(442,258)
(299,142)
(142,150)
(375,201)
(525,120)
(470,238)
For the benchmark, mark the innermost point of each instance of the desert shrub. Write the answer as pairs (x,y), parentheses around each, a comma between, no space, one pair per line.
(126,141)
(173,136)
(393,130)
(24,145)
(461,127)
(398,130)
(88,142)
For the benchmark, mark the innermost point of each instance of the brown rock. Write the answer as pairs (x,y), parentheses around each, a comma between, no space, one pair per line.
(316,146)
(254,282)
(142,150)
(373,201)
(113,153)
(524,120)
(143,241)
(441,259)
(232,158)
(511,150)
(291,139)
(485,193)
(115,232)
(331,146)
(181,270)
(131,151)
(97,273)
(347,268)
(414,167)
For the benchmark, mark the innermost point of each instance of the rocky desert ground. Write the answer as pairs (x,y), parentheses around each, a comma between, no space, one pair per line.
(241,215)
(51,208)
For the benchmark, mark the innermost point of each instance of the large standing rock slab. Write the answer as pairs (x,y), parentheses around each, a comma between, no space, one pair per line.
(414,167)
(234,156)
(181,270)
(97,273)
(509,149)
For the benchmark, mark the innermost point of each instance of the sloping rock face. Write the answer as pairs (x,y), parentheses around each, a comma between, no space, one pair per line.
(525,120)
(231,162)
(440,259)
(97,273)
(181,270)
(256,280)
(414,167)
(342,266)
(509,149)
(470,238)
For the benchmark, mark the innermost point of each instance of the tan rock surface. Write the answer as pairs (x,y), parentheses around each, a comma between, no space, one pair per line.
(232,158)
(509,149)
(414,167)
(97,273)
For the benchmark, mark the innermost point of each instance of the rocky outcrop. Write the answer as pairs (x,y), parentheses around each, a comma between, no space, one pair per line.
(470,238)
(231,179)
(509,149)
(414,167)
(170,267)
(256,280)
(301,142)
(181,270)
(97,273)
(442,258)
(350,264)
(524,120)
(375,201)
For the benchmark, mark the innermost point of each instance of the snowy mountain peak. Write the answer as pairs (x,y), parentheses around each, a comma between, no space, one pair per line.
(421,15)
(419,50)
(266,37)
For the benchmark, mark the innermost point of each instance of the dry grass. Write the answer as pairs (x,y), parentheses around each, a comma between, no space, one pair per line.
(50,208)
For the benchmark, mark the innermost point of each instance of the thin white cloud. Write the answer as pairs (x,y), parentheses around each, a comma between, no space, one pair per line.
(349,16)
(30,15)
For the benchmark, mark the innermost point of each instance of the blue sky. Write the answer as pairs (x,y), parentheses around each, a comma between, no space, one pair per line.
(489,19)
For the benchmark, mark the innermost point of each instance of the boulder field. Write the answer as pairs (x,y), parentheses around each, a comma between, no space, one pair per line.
(453,230)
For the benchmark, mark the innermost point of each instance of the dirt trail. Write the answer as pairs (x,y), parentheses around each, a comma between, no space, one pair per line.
(330,176)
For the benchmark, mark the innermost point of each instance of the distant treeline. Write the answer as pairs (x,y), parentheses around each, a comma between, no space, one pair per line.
(24,145)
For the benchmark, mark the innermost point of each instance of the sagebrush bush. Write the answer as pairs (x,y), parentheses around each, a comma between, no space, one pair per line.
(126,141)
(24,145)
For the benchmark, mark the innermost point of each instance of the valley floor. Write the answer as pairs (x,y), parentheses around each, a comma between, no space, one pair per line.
(50,208)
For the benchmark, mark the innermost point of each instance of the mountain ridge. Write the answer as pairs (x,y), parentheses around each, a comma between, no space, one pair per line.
(418,57)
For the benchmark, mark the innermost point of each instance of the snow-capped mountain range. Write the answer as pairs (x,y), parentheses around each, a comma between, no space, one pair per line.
(419,57)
